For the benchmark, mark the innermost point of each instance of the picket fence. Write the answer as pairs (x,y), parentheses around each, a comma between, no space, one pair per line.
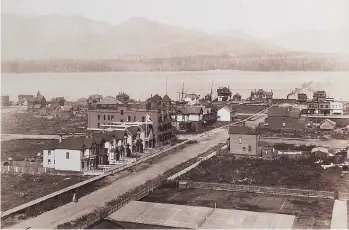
(260,189)
(23,169)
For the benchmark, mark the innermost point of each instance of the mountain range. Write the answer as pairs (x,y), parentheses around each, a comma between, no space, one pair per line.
(56,36)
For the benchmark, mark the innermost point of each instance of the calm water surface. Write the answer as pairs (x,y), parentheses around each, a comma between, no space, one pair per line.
(141,84)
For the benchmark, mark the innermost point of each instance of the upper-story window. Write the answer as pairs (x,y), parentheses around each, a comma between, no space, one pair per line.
(143,119)
(67,155)
(240,140)
(122,112)
(98,117)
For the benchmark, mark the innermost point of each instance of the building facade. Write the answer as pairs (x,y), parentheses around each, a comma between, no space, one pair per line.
(225,114)
(261,96)
(189,119)
(285,118)
(224,94)
(108,112)
(243,141)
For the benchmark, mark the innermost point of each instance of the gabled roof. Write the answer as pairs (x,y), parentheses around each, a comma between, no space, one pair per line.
(223,90)
(133,129)
(241,129)
(118,134)
(237,95)
(329,121)
(154,98)
(320,149)
(166,98)
(75,143)
(99,137)
(227,108)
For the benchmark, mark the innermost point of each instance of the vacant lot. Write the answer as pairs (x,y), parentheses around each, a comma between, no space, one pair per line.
(22,149)
(280,172)
(27,123)
(17,189)
(310,212)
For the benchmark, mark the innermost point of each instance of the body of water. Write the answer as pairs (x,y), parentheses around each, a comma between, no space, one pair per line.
(140,85)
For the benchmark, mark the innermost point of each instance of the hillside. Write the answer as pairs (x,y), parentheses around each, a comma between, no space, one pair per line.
(325,41)
(64,37)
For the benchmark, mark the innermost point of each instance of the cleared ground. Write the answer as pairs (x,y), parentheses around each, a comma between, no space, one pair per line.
(280,172)
(185,216)
(17,189)
(309,212)
(22,149)
(23,122)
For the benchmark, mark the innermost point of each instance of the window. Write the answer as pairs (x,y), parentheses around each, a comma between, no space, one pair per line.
(128,118)
(134,118)
(143,119)
(321,106)
(283,124)
(327,106)
(49,161)
(250,148)
(98,117)
(49,152)
(122,112)
(183,118)
(244,149)
(121,120)
(98,125)
(240,140)
(103,117)
(108,117)
(67,155)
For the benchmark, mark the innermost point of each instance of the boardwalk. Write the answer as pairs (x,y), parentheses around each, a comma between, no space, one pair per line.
(339,215)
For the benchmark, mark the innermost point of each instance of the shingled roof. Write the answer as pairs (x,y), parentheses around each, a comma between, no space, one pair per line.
(166,98)
(241,129)
(75,143)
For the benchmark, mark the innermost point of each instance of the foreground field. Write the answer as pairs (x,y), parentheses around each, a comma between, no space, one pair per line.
(280,172)
(310,212)
(23,149)
(17,189)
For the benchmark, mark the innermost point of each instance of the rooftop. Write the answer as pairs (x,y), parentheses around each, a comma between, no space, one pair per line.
(241,129)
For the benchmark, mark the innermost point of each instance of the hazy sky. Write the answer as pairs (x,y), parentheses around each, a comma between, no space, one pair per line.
(261,18)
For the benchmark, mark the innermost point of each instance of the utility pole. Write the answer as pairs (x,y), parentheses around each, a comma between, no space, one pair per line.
(166,85)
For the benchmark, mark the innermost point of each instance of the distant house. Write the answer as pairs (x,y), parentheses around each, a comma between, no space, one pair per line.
(243,141)
(302,98)
(123,97)
(224,94)
(321,153)
(56,102)
(23,99)
(192,99)
(287,117)
(237,97)
(261,96)
(166,102)
(225,114)
(5,100)
(189,119)
(327,124)
(34,104)
(94,99)
(64,112)
(266,150)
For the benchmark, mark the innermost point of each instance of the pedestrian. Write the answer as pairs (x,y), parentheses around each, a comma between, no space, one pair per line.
(75,198)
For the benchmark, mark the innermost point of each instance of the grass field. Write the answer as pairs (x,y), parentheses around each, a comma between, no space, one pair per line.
(17,189)
(280,172)
(27,123)
(310,212)
(22,149)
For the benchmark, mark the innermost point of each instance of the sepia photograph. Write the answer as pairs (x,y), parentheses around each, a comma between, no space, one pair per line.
(174,114)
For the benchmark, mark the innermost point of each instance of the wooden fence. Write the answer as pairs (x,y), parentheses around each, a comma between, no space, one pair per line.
(30,170)
(261,189)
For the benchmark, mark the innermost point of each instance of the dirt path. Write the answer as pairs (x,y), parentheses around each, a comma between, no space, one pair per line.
(339,215)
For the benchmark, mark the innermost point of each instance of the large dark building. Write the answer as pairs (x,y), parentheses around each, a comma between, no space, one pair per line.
(105,112)
(302,98)
(285,118)
(224,94)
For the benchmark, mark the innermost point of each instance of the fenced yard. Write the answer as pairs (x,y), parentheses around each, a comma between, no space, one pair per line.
(30,170)
(260,189)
